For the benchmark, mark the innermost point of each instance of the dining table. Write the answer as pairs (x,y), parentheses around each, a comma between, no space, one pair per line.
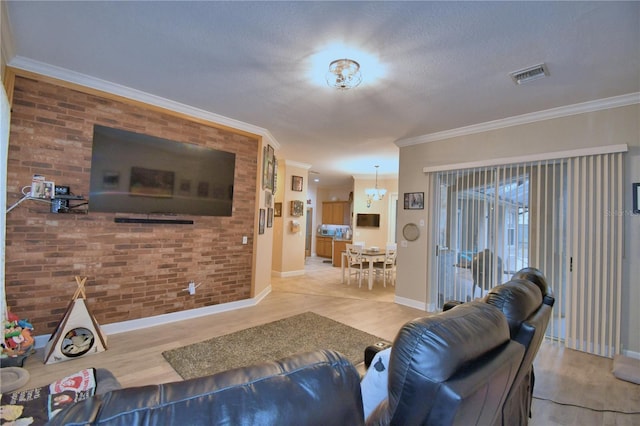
(370,255)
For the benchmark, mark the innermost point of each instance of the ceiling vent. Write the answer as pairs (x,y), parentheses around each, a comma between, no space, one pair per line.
(529,74)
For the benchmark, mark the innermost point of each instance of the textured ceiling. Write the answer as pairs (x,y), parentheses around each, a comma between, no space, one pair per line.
(447,63)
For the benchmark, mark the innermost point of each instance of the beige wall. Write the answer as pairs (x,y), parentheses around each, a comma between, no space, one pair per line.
(608,127)
(290,244)
(373,236)
(262,244)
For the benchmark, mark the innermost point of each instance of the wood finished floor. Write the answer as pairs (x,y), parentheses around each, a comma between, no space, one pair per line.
(562,375)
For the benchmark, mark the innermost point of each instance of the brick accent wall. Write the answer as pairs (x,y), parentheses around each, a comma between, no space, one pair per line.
(134,270)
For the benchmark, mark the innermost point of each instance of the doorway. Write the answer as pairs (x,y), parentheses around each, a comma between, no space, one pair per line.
(308,239)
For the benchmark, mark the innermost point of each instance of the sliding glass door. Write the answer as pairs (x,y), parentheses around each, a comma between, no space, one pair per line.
(557,216)
(483,225)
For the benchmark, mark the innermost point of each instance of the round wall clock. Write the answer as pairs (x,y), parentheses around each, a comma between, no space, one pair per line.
(411,232)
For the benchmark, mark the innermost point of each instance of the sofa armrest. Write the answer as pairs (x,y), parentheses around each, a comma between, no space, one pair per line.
(372,350)
(451,304)
(106,381)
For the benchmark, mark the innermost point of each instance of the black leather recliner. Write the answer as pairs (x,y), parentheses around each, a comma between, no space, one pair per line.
(454,368)
(526,301)
(316,388)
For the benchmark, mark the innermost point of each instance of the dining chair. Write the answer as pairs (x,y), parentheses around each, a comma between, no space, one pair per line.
(387,267)
(356,264)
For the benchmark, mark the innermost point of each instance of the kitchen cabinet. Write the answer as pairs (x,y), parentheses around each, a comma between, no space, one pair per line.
(338,247)
(323,246)
(336,213)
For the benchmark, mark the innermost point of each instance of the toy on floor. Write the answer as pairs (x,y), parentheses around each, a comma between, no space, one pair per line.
(17,339)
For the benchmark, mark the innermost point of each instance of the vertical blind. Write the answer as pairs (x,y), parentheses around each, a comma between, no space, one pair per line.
(562,216)
(595,250)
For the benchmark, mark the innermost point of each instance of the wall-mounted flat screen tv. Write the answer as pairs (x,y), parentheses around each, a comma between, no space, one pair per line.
(136,173)
(368,219)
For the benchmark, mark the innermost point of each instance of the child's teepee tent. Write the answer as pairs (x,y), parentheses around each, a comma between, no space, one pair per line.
(78,333)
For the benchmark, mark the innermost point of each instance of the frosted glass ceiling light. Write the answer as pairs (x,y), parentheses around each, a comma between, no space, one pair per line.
(344,74)
(374,194)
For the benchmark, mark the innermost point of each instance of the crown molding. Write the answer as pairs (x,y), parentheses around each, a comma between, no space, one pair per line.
(63,74)
(532,158)
(564,111)
(297,164)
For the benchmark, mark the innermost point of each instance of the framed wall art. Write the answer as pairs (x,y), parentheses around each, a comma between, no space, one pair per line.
(269,217)
(297,208)
(296,183)
(268,198)
(414,200)
(636,198)
(261,222)
(268,168)
(277,209)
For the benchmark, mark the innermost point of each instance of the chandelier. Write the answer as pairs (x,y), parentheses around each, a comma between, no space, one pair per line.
(375,194)
(344,74)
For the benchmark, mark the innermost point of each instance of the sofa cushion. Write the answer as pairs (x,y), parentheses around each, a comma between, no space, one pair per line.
(435,342)
(537,277)
(517,300)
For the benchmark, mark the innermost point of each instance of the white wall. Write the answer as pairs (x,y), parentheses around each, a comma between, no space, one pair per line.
(591,129)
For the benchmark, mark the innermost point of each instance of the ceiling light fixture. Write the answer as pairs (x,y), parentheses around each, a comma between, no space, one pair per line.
(374,194)
(344,74)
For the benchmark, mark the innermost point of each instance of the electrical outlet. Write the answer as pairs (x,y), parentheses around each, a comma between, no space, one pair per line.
(245,240)
(192,288)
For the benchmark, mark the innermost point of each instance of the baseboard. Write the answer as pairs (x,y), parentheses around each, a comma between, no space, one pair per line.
(411,303)
(287,273)
(124,326)
(631,354)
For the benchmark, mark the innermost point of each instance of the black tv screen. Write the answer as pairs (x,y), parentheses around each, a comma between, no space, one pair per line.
(368,219)
(136,173)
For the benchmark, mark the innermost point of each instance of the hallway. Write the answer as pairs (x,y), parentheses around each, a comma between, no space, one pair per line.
(322,279)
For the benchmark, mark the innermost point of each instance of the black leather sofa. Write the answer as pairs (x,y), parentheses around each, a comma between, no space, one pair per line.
(471,365)
(317,388)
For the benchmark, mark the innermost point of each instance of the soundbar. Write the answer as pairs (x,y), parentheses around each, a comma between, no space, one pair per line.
(68,197)
(164,221)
